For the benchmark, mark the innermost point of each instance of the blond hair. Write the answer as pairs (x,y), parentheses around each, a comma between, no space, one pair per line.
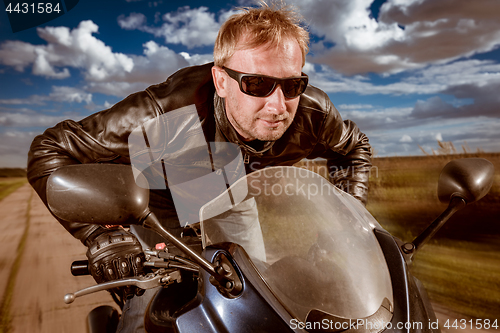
(263,25)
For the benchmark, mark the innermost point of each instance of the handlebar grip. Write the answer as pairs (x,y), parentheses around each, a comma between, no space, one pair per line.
(80,267)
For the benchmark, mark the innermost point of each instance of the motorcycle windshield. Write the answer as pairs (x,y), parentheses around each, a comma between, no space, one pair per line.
(312,243)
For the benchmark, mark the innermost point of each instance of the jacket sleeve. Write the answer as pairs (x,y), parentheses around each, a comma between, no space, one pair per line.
(101,137)
(348,154)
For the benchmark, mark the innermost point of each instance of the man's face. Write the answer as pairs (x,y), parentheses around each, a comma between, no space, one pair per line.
(262,118)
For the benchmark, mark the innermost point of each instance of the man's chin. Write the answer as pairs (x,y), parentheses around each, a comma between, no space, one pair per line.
(270,135)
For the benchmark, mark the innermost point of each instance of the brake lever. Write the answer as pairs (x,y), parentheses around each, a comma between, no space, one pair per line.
(142,282)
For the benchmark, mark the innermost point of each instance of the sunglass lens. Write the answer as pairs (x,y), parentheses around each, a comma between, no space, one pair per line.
(294,87)
(257,86)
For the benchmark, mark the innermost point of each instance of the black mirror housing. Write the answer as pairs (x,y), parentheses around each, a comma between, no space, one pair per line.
(104,194)
(467,178)
(461,182)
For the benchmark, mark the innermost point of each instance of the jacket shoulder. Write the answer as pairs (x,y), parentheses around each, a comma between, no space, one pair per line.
(317,100)
(187,86)
(316,112)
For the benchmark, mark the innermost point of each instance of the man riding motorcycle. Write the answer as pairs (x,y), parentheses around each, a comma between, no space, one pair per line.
(254,95)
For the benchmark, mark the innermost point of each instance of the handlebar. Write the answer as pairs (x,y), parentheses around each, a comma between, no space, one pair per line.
(168,265)
(142,282)
(80,267)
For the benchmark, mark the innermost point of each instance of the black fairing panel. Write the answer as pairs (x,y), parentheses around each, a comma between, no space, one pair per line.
(103,319)
(170,303)
(411,304)
(198,306)
(252,311)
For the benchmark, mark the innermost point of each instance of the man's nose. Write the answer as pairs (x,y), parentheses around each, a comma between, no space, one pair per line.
(276,101)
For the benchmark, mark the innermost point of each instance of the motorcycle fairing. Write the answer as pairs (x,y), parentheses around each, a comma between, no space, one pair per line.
(411,303)
(206,308)
(256,309)
(312,243)
(348,235)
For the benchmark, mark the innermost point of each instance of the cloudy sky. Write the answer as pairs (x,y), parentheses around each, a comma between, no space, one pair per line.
(408,72)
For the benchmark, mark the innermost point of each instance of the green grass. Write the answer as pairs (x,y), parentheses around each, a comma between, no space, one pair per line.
(9,185)
(460,267)
(12,172)
(463,276)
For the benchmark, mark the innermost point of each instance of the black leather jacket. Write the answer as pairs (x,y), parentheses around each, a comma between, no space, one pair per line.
(317,131)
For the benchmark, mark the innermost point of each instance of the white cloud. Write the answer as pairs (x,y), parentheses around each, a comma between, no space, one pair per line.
(354,106)
(406,138)
(76,48)
(14,147)
(197,59)
(115,88)
(332,82)
(479,133)
(478,72)
(33,99)
(99,65)
(432,108)
(189,27)
(17,54)
(157,63)
(58,94)
(407,34)
(465,79)
(69,94)
(131,22)
(383,118)
(28,119)
(42,67)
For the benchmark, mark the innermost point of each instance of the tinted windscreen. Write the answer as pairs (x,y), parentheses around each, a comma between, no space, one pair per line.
(313,244)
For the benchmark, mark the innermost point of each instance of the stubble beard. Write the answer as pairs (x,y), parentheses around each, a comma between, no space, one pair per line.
(250,129)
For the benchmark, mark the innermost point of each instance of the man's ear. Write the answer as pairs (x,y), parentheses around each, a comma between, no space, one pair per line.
(220,81)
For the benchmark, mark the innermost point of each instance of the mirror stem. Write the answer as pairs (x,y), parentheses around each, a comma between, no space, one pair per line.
(456,203)
(152,222)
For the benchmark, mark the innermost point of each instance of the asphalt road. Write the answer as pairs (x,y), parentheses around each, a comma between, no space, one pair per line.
(36,278)
(43,275)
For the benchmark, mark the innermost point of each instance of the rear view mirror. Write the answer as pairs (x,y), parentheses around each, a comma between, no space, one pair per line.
(468,178)
(461,182)
(97,194)
(109,194)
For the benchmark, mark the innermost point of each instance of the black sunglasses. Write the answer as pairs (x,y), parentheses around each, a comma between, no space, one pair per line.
(262,85)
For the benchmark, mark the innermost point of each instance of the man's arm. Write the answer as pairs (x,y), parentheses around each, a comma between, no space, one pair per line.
(101,137)
(350,172)
(348,154)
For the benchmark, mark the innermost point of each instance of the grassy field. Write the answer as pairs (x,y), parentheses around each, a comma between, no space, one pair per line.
(403,197)
(460,266)
(10,180)
(12,172)
(10,184)
(464,276)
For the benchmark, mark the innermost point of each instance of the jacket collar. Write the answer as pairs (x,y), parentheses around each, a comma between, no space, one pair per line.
(230,133)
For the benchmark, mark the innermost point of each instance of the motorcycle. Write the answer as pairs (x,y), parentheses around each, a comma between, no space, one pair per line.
(281,250)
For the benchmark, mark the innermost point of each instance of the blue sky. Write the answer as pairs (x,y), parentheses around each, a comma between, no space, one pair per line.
(408,72)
